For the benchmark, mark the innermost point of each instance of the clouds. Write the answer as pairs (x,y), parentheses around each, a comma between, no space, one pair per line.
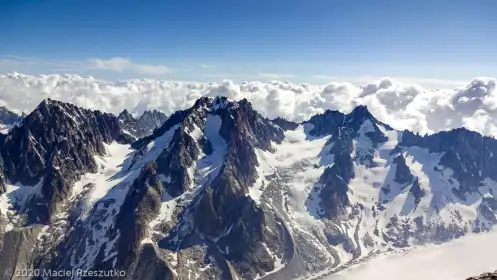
(403,106)
(120,64)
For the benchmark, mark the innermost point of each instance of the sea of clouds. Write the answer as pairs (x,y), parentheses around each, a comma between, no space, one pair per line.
(403,106)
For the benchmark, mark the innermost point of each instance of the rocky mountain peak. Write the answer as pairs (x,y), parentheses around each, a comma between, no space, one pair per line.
(8,117)
(221,102)
(54,145)
(142,126)
(361,112)
(218,103)
(152,117)
(211,151)
(204,101)
(331,122)
(125,114)
(326,123)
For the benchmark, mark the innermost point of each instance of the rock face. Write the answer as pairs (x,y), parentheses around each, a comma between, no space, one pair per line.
(284,124)
(403,174)
(217,191)
(142,126)
(152,119)
(8,119)
(484,276)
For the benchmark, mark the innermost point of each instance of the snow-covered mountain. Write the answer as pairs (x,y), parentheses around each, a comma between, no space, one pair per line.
(8,119)
(220,192)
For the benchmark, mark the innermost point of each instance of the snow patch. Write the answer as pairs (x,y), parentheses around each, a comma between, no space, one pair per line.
(14,201)
(5,128)
(155,148)
(208,166)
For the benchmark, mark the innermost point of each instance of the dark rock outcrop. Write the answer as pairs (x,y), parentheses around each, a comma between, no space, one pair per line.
(152,119)
(175,160)
(417,192)
(3,179)
(488,208)
(327,123)
(150,265)
(141,205)
(144,125)
(17,250)
(173,120)
(284,124)
(485,276)
(335,179)
(402,172)
(221,212)
(3,224)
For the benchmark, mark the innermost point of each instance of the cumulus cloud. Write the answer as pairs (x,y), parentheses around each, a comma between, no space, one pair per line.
(121,64)
(401,105)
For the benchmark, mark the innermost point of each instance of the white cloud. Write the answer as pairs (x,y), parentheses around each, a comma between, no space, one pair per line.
(424,82)
(12,63)
(121,64)
(207,66)
(274,76)
(404,106)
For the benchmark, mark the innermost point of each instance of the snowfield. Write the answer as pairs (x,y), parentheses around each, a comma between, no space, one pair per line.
(456,260)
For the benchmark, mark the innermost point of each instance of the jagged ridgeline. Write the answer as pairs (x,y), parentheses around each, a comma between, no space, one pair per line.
(217,191)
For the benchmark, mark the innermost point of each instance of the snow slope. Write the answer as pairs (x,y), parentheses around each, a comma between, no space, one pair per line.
(455,260)
(4,128)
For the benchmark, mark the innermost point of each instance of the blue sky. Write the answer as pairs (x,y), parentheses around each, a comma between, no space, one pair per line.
(303,41)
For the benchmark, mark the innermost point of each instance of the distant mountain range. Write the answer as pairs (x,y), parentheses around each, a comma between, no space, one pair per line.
(217,191)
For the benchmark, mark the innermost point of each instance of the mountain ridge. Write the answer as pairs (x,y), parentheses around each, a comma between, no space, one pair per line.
(239,195)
